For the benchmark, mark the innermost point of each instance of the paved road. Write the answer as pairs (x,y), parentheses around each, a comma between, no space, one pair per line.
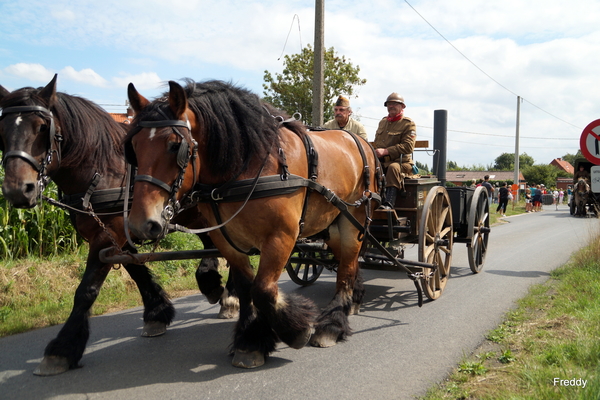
(398,350)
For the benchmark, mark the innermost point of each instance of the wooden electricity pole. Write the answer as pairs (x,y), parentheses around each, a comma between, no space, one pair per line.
(318,77)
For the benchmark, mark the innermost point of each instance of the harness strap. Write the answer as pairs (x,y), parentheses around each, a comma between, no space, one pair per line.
(153,180)
(313,164)
(25,156)
(90,191)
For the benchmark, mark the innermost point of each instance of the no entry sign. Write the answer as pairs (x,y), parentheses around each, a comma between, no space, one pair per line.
(590,142)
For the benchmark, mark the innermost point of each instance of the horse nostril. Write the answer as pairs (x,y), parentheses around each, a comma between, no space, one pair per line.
(154,229)
(29,188)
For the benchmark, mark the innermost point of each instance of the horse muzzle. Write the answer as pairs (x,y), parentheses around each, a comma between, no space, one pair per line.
(20,194)
(149,229)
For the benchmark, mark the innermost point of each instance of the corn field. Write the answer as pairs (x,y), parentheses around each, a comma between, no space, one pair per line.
(42,231)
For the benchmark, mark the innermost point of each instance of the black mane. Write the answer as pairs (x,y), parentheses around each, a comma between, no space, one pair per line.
(89,132)
(238,124)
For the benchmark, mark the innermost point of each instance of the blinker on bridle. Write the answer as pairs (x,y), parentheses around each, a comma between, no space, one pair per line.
(53,136)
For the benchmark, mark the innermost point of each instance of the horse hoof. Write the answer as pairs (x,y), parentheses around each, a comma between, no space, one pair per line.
(214,296)
(52,365)
(154,328)
(228,313)
(244,359)
(301,340)
(323,340)
(230,308)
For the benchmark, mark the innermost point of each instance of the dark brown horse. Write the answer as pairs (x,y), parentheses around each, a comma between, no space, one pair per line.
(46,135)
(581,195)
(198,145)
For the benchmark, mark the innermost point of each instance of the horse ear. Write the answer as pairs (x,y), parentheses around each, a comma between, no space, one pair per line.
(49,92)
(177,99)
(137,101)
(3,92)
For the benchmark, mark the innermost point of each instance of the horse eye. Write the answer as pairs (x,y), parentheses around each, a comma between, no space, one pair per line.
(43,128)
(174,147)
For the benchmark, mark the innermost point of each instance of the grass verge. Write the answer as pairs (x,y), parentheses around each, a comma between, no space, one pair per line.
(37,292)
(546,348)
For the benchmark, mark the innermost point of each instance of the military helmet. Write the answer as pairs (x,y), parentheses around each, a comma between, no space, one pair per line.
(395,97)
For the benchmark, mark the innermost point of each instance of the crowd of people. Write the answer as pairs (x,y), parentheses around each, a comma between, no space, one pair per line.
(499,193)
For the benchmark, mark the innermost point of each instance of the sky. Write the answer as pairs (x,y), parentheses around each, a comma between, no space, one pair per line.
(472,58)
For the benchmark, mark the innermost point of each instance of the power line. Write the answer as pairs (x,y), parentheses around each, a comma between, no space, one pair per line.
(483,134)
(482,71)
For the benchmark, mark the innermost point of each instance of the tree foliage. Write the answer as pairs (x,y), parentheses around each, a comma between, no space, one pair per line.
(570,158)
(506,161)
(541,174)
(291,90)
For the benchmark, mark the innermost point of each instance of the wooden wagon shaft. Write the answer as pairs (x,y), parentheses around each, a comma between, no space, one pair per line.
(115,256)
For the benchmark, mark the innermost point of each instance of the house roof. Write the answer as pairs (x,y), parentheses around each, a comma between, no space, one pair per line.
(466,176)
(564,165)
(122,118)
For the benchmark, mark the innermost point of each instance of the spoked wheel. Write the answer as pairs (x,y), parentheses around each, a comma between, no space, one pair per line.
(435,241)
(479,228)
(304,268)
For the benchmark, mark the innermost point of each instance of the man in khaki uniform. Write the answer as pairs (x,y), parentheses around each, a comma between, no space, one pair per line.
(394,144)
(342,120)
(582,173)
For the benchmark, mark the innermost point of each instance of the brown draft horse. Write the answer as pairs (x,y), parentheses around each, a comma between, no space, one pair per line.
(581,193)
(215,135)
(46,135)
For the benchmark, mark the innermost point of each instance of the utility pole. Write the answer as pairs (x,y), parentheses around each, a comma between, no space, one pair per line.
(319,60)
(517,147)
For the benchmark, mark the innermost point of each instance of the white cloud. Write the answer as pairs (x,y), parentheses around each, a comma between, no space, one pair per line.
(32,72)
(86,75)
(145,80)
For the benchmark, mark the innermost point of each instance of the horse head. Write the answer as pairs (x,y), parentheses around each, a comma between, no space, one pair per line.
(161,146)
(30,142)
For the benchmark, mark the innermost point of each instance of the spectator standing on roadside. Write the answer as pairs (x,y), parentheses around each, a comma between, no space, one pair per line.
(502,199)
(490,189)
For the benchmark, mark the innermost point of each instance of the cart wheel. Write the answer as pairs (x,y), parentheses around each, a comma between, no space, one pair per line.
(435,240)
(303,268)
(479,228)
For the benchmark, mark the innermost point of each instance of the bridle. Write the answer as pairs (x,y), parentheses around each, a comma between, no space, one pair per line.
(184,157)
(54,136)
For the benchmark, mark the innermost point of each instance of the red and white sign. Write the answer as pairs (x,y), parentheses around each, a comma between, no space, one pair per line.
(590,142)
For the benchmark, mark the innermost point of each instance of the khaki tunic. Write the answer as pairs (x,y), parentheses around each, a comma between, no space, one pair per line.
(399,139)
(352,126)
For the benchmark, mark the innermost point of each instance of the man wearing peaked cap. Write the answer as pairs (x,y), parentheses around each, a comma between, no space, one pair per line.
(342,120)
(394,144)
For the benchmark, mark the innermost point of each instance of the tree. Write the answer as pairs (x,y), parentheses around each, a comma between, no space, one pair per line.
(506,161)
(570,158)
(291,90)
(452,166)
(541,174)
(423,168)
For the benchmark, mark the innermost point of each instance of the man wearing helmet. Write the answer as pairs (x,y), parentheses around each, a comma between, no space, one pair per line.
(342,120)
(394,144)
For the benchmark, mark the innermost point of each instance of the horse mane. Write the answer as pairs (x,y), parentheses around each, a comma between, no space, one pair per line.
(237,124)
(89,133)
